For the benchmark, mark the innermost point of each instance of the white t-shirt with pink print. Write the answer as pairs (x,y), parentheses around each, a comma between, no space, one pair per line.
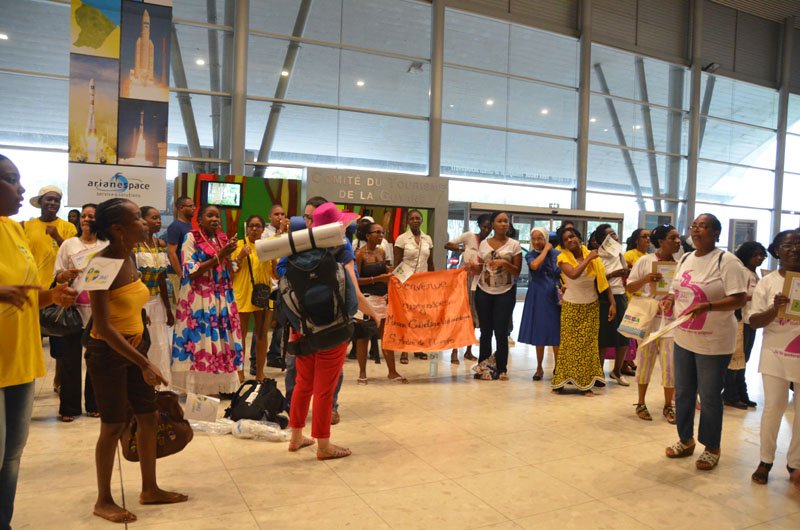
(780,349)
(708,279)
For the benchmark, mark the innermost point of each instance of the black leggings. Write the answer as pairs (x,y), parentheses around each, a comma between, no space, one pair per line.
(494,314)
(70,360)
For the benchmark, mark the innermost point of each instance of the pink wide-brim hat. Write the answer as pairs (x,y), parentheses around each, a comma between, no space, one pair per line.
(329,213)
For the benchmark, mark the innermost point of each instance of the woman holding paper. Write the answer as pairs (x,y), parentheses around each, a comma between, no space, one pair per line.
(22,362)
(152,260)
(72,257)
(709,285)
(610,252)
(780,354)
(540,325)
(644,280)
(579,358)
(374,273)
(413,250)
(500,260)
(248,271)
(207,349)
(116,356)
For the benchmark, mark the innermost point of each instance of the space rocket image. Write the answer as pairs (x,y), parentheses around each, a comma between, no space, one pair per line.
(143,70)
(91,127)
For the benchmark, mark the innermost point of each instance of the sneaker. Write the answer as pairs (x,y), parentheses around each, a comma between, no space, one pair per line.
(620,379)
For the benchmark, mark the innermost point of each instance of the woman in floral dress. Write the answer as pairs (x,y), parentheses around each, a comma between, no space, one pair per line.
(207,348)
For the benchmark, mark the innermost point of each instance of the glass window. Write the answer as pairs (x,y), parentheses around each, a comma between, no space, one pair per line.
(38,169)
(725,184)
(725,213)
(738,144)
(791,192)
(473,97)
(542,55)
(793,118)
(203,117)
(476,41)
(505,193)
(740,101)
(38,37)
(400,26)
(197,62)
(473,152)
(790,221)
(792,161)
(608,170)
(324,20)
(633,126)
(620,204)
(35,110)
(540,160)
(198,10)
(536,107)
(621,74)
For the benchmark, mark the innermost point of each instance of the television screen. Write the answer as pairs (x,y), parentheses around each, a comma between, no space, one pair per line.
(226,194)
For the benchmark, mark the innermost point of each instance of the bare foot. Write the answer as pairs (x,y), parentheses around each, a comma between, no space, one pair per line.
(333,451)
(296,446)
(160,496)
(588,393)
(112,512)
(794,478)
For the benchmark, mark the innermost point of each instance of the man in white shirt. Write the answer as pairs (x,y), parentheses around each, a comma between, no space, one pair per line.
(278,222)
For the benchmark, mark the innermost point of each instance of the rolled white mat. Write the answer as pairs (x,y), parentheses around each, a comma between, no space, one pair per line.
(325,236)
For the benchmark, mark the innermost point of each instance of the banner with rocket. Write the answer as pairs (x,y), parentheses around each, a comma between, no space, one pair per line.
(119,100)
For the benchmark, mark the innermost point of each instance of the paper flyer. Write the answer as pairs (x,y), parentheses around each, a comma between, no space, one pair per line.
(791,289)
(402,272)
(81,259)
(98,275)
(667,270)
(663,331)
(200,407)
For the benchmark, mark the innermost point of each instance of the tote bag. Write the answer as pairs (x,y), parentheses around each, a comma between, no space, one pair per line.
(638,318)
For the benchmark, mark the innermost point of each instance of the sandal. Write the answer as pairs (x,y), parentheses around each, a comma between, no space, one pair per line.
(538,375)
(503,376)
(455,361)
(65,418)
(680,450)
(336,452)
(399,379)
(642,412)
(363,380)
(669,413)
(423,356)
(761,474)
(404,359)
(707,461)
(293,448)
(93,414)
(469,357)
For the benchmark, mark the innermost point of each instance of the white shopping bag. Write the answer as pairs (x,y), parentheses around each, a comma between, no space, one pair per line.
(638,317)
(200,407)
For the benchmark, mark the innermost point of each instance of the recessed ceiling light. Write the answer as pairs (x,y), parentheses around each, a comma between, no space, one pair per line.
(359,83)
(490,102)
(451,105)
(605,130)
(637,127)
(200,62)
(544,112)
(3,36)
(285,73)
(592,120)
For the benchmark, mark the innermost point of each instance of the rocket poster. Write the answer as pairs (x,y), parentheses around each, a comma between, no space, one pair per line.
(119,100)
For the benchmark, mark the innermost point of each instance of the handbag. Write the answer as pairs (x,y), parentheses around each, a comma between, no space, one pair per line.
(57,321)
(638,318)
(173,432)
(261,291)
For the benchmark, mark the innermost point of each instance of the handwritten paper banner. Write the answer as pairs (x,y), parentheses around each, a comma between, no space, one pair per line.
(429,312)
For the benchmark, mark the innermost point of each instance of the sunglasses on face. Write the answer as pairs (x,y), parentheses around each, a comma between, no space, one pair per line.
(381,232)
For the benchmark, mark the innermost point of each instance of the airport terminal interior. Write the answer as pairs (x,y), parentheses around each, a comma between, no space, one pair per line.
(635,113)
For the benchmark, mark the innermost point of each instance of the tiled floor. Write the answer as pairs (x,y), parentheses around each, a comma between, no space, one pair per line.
(443,452)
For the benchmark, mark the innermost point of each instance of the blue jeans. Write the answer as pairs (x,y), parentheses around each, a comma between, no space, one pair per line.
(291,376)
(16,406)
(703,374)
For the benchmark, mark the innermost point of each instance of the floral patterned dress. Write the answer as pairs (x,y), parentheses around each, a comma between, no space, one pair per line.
(207,346)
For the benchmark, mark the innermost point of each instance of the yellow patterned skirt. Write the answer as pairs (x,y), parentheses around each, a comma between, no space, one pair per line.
(579,358)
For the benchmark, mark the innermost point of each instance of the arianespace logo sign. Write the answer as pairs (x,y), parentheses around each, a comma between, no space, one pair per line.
(118,183)
(96,183)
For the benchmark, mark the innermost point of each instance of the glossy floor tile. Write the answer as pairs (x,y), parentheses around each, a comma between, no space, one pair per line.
(443,452)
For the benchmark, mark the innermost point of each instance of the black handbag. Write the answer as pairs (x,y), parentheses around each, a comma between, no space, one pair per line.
(57,321)
(261,291)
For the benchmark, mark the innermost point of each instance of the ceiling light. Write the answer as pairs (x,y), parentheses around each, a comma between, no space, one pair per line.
(359,83)
(451,105)
(545,112)
(3,36)
(490,102)
(592,120)
(200,62)
(637,127)
(285,73)
(605,130)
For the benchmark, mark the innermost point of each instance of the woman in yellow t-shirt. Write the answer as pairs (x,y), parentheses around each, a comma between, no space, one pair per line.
(246,261)
(21,359)
(637,246)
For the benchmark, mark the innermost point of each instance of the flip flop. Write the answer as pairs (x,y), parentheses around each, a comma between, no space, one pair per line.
(363,380)
(399,379)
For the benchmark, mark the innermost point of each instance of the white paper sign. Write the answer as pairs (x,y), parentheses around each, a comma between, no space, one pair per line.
(200,407)
(98,275)
(81,259)
(666,329)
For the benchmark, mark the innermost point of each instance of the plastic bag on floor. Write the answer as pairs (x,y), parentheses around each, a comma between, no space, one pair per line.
(220,427)
(258,430)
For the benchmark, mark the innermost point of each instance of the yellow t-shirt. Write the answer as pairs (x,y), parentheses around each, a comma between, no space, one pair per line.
(594,269)
(44,248)
(632,256)
(21,358)
(242,287)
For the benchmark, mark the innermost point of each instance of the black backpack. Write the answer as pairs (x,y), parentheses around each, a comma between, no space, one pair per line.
(258,401)
(318,300)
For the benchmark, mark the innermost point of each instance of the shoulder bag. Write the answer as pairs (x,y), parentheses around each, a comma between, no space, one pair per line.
(261,291)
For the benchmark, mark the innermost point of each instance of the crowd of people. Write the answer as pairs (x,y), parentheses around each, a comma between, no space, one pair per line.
(177,315)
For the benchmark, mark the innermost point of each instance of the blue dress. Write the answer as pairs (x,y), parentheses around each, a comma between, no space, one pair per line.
(541,314)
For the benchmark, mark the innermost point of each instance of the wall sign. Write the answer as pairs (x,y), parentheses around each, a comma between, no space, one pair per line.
(119,100)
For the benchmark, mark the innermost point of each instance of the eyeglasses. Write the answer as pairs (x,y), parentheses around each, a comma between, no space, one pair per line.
(308,217)
(255,226)
(699,226)
(381,232)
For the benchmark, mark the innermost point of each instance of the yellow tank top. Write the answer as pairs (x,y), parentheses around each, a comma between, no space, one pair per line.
(125,309)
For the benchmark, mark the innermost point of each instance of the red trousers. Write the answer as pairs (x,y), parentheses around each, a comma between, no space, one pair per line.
(317,375)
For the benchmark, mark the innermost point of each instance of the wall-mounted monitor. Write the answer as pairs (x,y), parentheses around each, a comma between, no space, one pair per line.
(222,194)
(739,231)
(651,220)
